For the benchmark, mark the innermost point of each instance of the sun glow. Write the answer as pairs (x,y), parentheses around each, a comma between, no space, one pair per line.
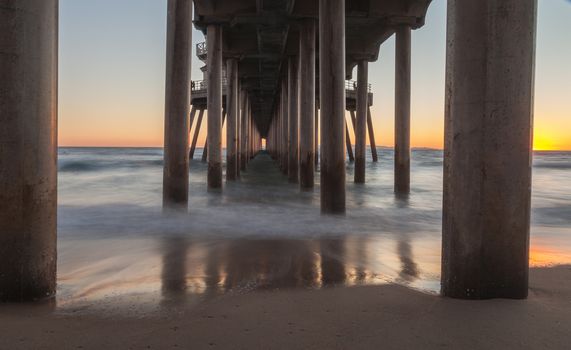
(551,134)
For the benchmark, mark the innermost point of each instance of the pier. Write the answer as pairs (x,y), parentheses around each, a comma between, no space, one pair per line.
(274,72)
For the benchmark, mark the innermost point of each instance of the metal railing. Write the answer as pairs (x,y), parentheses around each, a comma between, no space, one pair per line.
(201,49)
(351,85)
(201,85)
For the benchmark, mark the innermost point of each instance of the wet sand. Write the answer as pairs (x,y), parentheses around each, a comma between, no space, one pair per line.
(387,316)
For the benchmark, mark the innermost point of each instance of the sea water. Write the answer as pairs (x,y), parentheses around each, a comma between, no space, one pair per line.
(261,232)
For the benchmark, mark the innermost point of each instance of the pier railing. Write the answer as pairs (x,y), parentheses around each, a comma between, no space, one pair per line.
(201,50)
(351,85)
(199,85)
(202,85)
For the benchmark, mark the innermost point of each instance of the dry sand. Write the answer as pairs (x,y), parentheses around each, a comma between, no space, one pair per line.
(387,317)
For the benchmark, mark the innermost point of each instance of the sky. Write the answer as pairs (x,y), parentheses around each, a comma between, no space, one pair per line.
(112,76)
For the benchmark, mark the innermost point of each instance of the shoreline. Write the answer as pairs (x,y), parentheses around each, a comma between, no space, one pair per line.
(388,316)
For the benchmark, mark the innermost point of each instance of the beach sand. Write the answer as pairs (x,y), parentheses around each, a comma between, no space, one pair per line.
(369,317)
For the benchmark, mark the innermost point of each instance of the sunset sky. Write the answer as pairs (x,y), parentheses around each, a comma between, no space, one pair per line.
(112,72)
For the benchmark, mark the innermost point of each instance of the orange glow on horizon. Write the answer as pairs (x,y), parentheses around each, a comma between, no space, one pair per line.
(540,256)
(550,134)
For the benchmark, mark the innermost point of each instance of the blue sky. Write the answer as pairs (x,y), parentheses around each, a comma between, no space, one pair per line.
(112,58)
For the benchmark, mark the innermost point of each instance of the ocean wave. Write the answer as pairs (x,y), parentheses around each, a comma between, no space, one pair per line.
(79,166)
(433,163)
(552,165)
(98,165)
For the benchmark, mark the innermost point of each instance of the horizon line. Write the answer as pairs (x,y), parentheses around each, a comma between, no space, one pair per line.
(385,147)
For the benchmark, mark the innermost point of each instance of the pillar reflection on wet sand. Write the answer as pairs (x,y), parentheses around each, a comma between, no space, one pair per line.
(333,261)
(270,264)
(173,274)
(214,267)
(360,250)
(409,269)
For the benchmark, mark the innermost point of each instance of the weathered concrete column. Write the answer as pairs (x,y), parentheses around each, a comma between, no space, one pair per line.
(177,104)
(307,116)
(28,149)
(402,110)
(232,120)
(248,136)
(249,132)
(285,125)
(332,103)
(361,121)
(214,101)
(316,134)
(244,133)
(238,128)
(488,148)
(293,115)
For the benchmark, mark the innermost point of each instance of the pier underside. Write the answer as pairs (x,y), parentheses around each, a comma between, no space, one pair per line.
(263,34)
(277,70)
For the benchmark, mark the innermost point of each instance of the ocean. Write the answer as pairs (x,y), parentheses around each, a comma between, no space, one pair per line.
(114,243)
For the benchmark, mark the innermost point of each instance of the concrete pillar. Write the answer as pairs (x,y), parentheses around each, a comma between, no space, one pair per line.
(332,104)
(285,125)
(316,135)
(248,136)
(232,120)
(249,133)
(239,128)
(177,104)
(28,149)
(244,133)
(214,101)
(307,116)
(402,110)
(488,148)
(293,114)
(361,121)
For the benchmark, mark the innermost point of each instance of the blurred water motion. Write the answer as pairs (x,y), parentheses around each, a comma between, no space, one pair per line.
(261,233)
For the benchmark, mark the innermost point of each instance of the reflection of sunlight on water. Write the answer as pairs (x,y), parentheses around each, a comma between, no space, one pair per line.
(548,251)
(114,243)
